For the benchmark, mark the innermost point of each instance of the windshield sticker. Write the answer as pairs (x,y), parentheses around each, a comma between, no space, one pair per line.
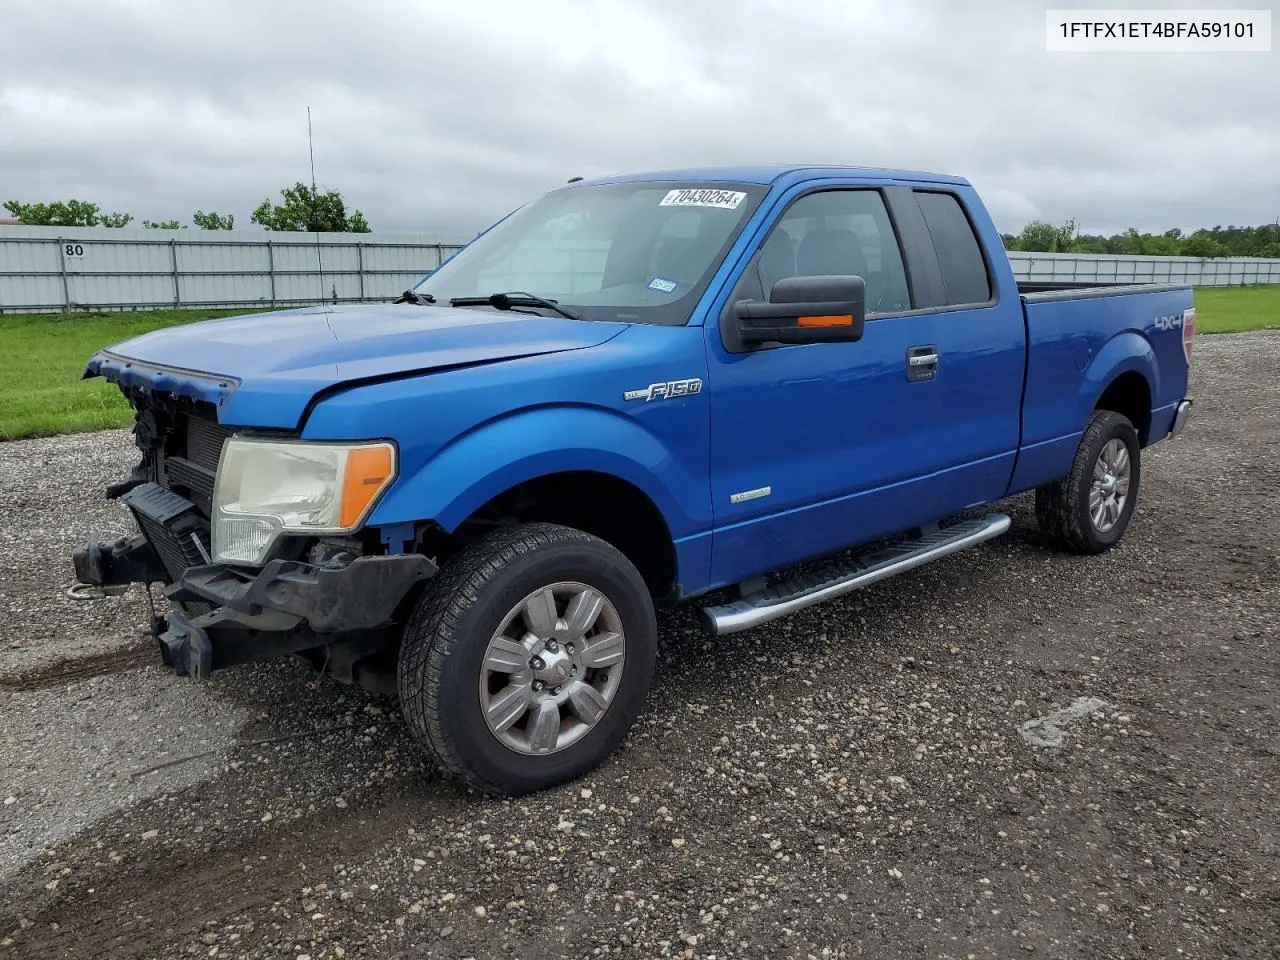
(723,199)
(665,286)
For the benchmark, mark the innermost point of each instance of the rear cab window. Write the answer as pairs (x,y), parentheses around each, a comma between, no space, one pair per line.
(965,277)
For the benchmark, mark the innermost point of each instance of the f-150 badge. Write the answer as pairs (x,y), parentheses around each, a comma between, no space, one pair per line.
(665,391)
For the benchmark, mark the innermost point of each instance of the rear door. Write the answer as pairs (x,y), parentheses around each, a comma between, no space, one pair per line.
(820,446)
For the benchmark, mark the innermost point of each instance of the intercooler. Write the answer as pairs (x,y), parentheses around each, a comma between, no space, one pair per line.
(173,511)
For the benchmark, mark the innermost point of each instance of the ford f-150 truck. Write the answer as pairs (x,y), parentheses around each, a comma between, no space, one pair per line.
(633,390)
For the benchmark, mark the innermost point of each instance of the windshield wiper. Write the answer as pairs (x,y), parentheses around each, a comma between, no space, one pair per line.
(411,296)
(516,298)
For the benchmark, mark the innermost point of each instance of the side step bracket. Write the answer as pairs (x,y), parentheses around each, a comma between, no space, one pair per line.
(784,599)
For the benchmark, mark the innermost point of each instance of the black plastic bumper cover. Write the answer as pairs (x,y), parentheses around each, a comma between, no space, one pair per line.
(359,596)
(288,607)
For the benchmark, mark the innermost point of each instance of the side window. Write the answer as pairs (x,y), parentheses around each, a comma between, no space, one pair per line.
(964,271)
(839,232)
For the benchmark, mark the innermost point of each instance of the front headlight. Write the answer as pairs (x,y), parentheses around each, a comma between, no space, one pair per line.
(268,487)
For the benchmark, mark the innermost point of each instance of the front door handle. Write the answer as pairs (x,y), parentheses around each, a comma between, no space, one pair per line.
(922,363)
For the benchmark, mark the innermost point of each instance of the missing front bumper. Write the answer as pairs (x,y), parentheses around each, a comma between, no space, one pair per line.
(286,608)
(361,595)
(223,615)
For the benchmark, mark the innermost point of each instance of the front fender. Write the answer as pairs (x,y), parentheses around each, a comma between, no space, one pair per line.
(500,454)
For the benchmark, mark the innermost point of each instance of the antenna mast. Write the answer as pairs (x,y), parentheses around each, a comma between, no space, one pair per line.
(315,226)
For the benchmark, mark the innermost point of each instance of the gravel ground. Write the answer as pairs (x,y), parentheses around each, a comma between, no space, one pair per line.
(876,777)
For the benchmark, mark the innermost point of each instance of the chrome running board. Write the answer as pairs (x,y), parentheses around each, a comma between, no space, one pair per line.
(784,599)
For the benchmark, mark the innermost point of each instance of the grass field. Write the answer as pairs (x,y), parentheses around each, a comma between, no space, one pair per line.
(43,355)
(1237,309)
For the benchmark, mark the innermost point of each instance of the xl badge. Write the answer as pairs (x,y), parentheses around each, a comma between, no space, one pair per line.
(665,391)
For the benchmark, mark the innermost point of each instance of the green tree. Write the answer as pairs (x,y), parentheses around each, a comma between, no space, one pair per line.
(163,225)
(1089,243)
(1203,243)
(213,221)
(312,211)
(1040,237)
(1035,237)
(70,213)
(1131,242)
(1161,246)
(1230,241)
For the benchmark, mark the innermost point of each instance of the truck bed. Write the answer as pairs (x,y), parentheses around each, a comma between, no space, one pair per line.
(1080,339)
(1048,291)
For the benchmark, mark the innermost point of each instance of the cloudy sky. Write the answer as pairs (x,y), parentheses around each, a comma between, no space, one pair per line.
(440,115)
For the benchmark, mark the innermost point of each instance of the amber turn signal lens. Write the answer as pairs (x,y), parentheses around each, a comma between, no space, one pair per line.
(368,471)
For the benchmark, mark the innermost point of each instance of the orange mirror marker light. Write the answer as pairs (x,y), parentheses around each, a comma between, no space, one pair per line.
(845,320)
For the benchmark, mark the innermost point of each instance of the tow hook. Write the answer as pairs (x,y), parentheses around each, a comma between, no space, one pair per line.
(93,591)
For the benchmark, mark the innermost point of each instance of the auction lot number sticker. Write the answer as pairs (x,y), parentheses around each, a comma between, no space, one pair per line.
(723,199)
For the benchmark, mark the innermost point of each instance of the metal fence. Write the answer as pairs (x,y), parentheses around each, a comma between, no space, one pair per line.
(52,269)
(45,269)
(1102,269)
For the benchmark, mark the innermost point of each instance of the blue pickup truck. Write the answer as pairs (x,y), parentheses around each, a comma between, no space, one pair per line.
(632,391)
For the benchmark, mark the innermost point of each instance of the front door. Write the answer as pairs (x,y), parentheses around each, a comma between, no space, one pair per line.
(816,447)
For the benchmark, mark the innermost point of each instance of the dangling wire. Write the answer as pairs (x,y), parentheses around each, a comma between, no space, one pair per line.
(315,684)
(151,605)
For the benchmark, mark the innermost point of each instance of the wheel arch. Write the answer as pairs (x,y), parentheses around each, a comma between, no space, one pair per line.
(1129,394)
(602,504)
(592,469)
(1125,378)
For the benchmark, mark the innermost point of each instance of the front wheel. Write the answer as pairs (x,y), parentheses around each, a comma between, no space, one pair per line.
(527,660)
(1089,510)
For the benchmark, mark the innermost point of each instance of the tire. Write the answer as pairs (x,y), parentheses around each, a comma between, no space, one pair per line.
(1064,510)
(455,701)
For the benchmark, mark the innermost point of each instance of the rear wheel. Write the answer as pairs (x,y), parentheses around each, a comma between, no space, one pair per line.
(1089,510)
(528,658)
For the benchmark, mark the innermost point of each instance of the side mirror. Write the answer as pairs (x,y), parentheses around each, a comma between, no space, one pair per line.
(828,309)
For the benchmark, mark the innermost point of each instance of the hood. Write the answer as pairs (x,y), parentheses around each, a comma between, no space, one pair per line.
(263,370)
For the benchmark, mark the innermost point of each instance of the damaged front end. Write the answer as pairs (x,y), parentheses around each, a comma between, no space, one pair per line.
(179,441)
(343,613)
(333,601)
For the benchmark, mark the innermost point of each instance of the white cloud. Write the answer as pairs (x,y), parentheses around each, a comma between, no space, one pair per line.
(442,116)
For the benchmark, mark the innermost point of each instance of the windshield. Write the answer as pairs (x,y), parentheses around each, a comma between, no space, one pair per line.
(631,252)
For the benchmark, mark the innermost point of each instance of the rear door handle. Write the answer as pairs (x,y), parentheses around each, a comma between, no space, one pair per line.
(922,363)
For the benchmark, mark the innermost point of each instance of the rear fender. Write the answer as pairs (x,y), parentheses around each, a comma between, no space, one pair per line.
(1124,353)
(1060,423)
